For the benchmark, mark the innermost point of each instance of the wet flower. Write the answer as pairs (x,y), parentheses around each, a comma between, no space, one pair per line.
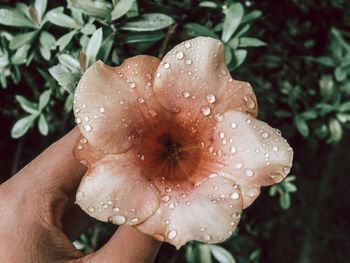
(173,146)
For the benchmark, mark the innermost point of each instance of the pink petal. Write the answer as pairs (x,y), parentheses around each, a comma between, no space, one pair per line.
(111,104)
(115,190)
(85,153)
(193,78)
(209,212)
(252,153)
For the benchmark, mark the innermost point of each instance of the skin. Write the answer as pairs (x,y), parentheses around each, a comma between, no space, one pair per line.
(37,215)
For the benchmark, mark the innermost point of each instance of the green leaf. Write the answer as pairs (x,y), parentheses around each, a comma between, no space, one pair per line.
(20,57)
(191,253)
(106,48)
(68,104)
(27,105)
(228,54)
(232,20)
(101,9)
(42,125)
(285,200)
(21,126)
(309,114)
(45,52)
(335,130)
(301,125)
(21,39)
(221,254)
(345,107)
(283,114)
(143,37)
(195,29)
(240,55)
(242,31)
(121,8)
(79,245)
(291,188)
(13,17)
(251,16)
(64,77)
(44,99)
(326,61)
(64,40)
(208,4)
(47,39)
(149,22)
(57,17)
(93,47)
(340,74)
(273,190)
(88,29)
(204,254)
(70,62)
(40,6)
(250,42)
(326,86)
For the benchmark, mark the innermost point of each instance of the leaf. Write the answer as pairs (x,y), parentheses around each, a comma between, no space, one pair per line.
(204,254)
(301,126)
(79,245)
(309,114)
(106,48)
(40,6)
(326,86)
(242,31)
(221,254)
(64,40)
(335,130)
(64,77)
(232,20)
(13,17)
(340,74)
(101,9)
(44,99)
(45,52)
(42,125)
(55,16)
(93,47)
(240,55)
(250,42)
(88,29)
(70,62)
(121,8)
(251,16)
(285,200)
(20,57)
(21,126)
(149,22)
(47,39)
(195,29)
(143,37)
(27,105)
(326,61)
(21,39)
(68,104)
(345,107)
(33,14)
(208,4)
(228,54)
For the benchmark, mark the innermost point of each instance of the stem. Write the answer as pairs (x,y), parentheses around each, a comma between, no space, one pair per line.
(170,32)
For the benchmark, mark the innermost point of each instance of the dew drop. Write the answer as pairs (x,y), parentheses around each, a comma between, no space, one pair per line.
(234,196)
(101,109)
(171,206)
(219,117)
(222,135)
(233,125)
(78,120)
(132,85)
(248,121)
(152,112)
(187,44)
(121,102)
(205,110)
(167,222)
(80,195)
(86,119)
(158,75)
(201,229)
(165,198)
(80,147)
(233,149)
(239,165)
(210,98)
(249,102)
(286,170)
(115,209)
(188,202)
(87,127)
(188,62)
(249,173)
(185,93)
(134,220)
(252,192)
(140,100)
(275,148)
(179,55)
(265,135)
(172,234)
(77,110)
(166,65)
(206,237)
(91,209)
(83,141)
(118,219)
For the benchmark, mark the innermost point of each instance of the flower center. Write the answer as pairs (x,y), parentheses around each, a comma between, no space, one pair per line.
(170,151)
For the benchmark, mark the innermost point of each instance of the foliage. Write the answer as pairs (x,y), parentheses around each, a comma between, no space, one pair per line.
(298,63)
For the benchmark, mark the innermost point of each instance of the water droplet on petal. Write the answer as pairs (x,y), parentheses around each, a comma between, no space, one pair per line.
(185,93)
(118,219)
(78,120)
(91,209)
(187,44)
(179,55)
(275,148)
(166,65)
(286,170)
(219,117)
(132,85)
(233,125)
(234,196)
(115,209)
(158,75)
(165,198)
(206,237)
(134,220)
(188,62)
(249,172)
(172,234)
(249,102)
(248,121)
(140,100)
(239,165)
(252,192)
(205,110)
(87,127)
(210,98)
(80,195)
(233,149)
(265,135)
(171,206)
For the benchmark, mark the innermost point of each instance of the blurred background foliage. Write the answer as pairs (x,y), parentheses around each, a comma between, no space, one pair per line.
(296,55)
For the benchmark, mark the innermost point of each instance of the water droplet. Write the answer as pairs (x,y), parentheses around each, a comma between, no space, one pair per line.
(286,170)
(249,172)
(248,121)
(87,127)
(101,109)
(249,102)
(167,222)
(219,117)
(172,234)
(188,62)
(185,93)
(236,215)
(158,75)
(278,131)
(118,219)
(233,149)
(233,125)
(165,198)
(205,110)
(210,98)
(83,141)
(91,209)
(188,202)
(134,220)
(166,65)
(179,55)
(86,118)
(171,206)
(80,195)
(121,102)
(109,202)
(206,237)
(159,237)
(187,44)
(77,110)
(252,192)
(275,148)
(201,229)
(152,112)
(78,120)
(234,196)
(239,165)
(222,135)
(132,85)
(265,135)
(115,209)
(79,147)
(140,100)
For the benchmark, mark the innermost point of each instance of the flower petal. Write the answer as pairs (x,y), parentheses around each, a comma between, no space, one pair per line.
(85,153)
(251,153)
(209,213)
(115,190)
(193,78)
(111,104)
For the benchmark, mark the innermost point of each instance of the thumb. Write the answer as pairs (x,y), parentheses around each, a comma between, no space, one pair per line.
(127,245)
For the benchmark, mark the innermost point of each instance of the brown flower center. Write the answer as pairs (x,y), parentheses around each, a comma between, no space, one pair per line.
(170,151)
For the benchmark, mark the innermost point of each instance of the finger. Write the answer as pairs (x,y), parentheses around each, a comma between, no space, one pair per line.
(127,245)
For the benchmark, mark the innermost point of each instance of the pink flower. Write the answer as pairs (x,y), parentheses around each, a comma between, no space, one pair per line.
(173,146)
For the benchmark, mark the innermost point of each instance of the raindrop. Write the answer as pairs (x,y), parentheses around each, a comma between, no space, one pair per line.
(219,117)
(80,147)
(248,121)
(78,120)
(249,102)
(171,206)
(201,229)
(278,131)
(205,110)
(206,237)
(101,109)
(187,44)
(166,65)
(118,219)
(222,135)
(234,196)
(86,118)
(83,141)
(179,55)
(185,94)
(109,202)
(158,75)
(140,100)
(77,110)
(172,234)
(265,135)
(275,148)
(233,125)
(233,149)
(152,112)
(249,172)
(188,62)
(188,202)
(91,209)
(115,209)
(236,215)
(165,198)
(121,102)
(134,220)
(210,98)
(132,85)
(167,222)
(239,165)
(87,127)
(80,195)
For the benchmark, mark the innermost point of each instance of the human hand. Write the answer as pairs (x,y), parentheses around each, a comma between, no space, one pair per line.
(35,219)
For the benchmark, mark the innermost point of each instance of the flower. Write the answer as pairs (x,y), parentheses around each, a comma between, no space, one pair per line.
(173,146)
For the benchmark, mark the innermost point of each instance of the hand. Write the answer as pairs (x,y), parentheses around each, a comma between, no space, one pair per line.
(35,219)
